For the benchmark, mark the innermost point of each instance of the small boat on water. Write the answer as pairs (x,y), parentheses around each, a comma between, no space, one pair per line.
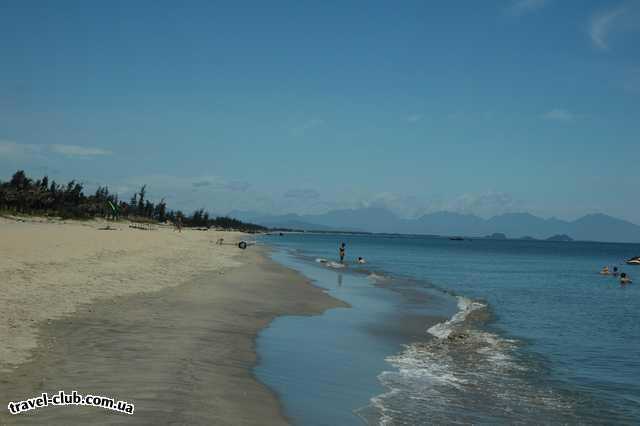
(633,261)
(456,238)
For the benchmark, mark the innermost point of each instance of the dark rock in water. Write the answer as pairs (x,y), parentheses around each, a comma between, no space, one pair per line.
(454,337)
(497,236)
(560,237)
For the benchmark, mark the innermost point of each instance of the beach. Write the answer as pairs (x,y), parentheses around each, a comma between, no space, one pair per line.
(164,320)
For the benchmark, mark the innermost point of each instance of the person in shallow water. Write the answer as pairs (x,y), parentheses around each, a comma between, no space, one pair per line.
(615,271)
(624,279)
(341,252)
(605,271)
(361,260)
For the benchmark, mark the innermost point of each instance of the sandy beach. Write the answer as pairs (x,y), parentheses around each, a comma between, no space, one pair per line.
(162,319)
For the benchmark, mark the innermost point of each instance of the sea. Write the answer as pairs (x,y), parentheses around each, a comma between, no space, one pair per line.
(472,331)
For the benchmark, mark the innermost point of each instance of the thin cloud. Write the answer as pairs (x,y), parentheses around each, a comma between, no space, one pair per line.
(602,24)
(303,193)
(523,7)
(172,183)
(405,206)
(413,118)
(486,205)
(559,114)
(237,186)
(306,126)
(78,151)
(213,193)
(216,183)
(10,149)
(457,115)
(631,82)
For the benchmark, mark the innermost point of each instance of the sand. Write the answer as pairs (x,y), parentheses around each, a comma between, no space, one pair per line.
(49,269)
(162,319)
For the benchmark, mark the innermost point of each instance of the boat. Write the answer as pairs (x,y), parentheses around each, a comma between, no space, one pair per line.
(633,261)
(456,238)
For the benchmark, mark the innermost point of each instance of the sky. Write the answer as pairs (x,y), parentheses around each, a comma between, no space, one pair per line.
(478,107)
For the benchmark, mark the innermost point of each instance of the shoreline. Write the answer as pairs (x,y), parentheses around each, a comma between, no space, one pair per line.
(182,353)
(470,358)
(322,350)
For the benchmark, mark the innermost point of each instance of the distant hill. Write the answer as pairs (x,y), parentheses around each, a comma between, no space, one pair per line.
(497,236)
(520,224)
(560,237)
(365,219)
(447,223)
(298,226)
(593,227)
(600,227)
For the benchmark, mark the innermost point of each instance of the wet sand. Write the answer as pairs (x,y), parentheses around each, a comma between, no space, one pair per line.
(182,355)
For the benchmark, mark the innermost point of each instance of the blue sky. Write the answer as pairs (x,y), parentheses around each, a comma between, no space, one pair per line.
(482,107)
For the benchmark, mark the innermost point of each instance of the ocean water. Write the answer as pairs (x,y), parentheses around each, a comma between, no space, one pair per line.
(443,331)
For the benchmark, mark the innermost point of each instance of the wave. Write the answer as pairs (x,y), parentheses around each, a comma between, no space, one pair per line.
(376,278)
(464,375)
(330,264)
(466,306)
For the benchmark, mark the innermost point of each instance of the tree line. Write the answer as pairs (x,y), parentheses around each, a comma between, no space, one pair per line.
(27,196)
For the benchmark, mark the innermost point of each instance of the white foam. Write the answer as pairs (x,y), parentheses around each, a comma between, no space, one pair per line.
(477,372)
(378,402)
(466,306)
(418,363)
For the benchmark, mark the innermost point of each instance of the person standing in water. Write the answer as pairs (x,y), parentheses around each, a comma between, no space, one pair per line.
(341,252)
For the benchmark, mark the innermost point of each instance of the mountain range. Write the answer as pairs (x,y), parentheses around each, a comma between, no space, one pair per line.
(592,227)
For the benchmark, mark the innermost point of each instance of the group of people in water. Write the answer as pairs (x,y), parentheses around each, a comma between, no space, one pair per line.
(624,278)
(342,250)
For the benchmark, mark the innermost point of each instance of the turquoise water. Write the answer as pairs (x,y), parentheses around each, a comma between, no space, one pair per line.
(539,335)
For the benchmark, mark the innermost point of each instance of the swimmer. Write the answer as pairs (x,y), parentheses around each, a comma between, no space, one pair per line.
(361,260)
(615,271)
(605,271)
(624,279)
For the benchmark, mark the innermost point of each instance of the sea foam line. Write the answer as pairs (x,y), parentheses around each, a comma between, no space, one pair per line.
(466,306)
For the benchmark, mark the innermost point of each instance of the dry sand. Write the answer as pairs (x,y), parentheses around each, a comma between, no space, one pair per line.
(161,319)
(49,269)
